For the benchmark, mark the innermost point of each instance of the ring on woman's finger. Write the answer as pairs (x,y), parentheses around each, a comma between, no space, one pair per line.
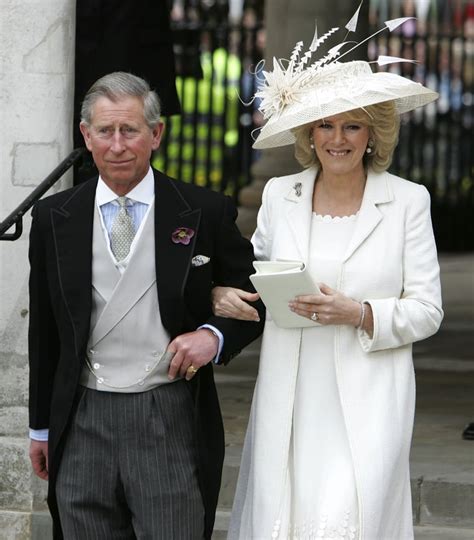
(315,316)
(192,369)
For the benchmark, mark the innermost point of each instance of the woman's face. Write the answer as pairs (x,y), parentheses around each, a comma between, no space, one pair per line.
(340,144)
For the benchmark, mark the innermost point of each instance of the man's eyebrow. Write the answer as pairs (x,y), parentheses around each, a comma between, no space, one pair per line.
(111,124)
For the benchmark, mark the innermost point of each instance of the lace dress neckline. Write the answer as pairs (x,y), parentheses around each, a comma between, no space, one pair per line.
(334,219)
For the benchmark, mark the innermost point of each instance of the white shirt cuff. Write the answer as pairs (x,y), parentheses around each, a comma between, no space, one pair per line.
(217,333)
(39,434)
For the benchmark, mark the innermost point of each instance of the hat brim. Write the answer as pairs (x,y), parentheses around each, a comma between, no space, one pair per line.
(319,103)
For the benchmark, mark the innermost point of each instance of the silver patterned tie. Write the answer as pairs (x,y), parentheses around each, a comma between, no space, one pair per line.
(122,232)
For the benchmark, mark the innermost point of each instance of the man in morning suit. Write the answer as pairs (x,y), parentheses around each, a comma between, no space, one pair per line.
(124,417)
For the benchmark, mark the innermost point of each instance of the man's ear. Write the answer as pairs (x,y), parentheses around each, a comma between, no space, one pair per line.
(86,134)
(157,133)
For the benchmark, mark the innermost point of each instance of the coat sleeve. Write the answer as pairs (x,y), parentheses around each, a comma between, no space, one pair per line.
(417,314)
(262,237)
(235,256)
(43,339)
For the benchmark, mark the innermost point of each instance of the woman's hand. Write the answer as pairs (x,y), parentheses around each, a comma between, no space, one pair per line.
(232,303)
(332,307)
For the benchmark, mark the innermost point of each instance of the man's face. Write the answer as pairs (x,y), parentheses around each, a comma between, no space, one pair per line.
(121,142)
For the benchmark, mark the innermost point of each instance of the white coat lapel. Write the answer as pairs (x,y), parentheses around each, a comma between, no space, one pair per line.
(377,191)
(139,276)
(299,211)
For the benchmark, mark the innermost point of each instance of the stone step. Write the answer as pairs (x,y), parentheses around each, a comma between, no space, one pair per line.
(41,529)
(441,502)
(41,526)
(221,525)
(443,533)
(426,532)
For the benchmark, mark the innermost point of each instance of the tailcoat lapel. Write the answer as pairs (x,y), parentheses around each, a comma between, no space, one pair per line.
(72,226)
(173,261)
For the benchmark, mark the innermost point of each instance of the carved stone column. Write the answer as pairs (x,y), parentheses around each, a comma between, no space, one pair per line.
(36,98)
(286,22)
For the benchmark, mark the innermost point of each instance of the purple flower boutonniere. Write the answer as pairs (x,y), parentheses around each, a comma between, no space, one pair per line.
(182,235)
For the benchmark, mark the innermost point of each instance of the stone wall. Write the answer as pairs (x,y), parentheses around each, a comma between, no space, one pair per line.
(36,99)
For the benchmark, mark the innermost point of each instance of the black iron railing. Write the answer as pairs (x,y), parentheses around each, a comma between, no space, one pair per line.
(16,217)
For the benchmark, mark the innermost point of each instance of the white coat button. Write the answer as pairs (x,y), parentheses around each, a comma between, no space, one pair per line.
(141,382)
(100,380)
(91,351)
(96,365)
(147,367)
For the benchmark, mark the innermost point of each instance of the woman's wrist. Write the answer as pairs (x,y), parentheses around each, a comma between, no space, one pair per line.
(356,314)
(366,319)
(360,316)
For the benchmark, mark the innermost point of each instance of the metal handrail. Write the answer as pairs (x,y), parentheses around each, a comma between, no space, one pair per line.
(16,217)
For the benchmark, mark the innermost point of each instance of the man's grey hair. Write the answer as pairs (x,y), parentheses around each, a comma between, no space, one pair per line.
(119,85)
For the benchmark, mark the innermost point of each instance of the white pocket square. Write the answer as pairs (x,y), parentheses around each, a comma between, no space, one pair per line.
(199,260)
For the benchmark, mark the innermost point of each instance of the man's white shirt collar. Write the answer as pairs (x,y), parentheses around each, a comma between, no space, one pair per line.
(143,192)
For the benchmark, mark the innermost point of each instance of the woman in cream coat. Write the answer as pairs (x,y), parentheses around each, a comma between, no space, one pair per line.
(326,453)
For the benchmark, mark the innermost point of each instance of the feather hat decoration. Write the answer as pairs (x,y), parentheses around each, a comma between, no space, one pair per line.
(303,89)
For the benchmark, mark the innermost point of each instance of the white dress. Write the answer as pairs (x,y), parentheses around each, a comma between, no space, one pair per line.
(389,262)
(321,499)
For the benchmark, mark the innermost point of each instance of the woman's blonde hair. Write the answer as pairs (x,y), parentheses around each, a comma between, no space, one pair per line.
(383,122)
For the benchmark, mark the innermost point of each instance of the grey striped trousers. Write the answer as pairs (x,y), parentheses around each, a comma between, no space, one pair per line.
(129,468)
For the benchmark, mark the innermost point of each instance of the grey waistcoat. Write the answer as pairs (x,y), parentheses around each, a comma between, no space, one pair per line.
(127,343)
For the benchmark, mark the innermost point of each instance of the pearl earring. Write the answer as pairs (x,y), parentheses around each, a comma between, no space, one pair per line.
(311,145)
(368,150)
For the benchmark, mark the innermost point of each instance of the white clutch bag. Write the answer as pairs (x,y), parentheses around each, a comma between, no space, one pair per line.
(278,282)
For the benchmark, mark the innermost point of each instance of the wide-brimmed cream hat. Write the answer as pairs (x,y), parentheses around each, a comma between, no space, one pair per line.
(304,92)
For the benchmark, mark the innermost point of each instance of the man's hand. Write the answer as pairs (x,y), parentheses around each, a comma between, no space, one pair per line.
(192,351)
(39,458)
